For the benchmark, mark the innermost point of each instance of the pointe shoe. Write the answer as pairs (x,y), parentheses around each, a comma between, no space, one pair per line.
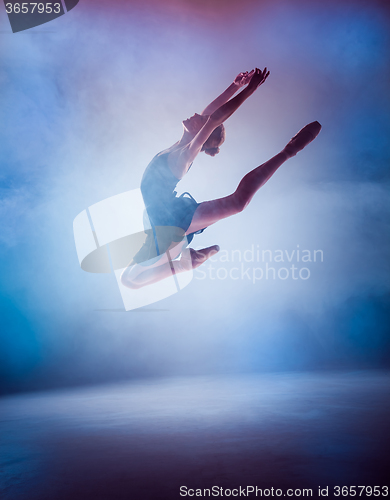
(300,140)
(200,256)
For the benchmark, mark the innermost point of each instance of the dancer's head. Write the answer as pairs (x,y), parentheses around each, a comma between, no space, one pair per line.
(192,126)
(215,140)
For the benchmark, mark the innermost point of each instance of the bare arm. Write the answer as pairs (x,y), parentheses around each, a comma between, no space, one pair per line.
(240,80)
(190,152)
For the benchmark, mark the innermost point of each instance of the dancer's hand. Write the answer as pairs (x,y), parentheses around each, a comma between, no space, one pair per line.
(258,78)
(243,78)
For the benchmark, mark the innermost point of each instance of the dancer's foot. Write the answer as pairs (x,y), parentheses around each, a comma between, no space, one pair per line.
(198,257)
(303,138)
(191,259)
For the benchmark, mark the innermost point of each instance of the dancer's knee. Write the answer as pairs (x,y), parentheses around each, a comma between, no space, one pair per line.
(240,201)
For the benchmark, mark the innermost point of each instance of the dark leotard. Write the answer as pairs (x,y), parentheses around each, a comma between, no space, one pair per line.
(170,215)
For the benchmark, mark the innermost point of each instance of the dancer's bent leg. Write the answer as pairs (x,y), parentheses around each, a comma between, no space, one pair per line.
(136,276)
(212,211)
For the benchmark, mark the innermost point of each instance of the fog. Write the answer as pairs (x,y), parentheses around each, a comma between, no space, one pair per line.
(88,99)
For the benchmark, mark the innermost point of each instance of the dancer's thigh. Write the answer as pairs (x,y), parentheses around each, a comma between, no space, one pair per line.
(210,212)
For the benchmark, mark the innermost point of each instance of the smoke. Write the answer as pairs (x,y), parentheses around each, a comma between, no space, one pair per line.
(88,103)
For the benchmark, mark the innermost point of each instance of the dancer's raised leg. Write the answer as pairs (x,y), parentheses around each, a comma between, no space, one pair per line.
(212,211)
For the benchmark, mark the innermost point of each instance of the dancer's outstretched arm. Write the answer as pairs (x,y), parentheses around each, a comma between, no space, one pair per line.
(240,81)
(189,153)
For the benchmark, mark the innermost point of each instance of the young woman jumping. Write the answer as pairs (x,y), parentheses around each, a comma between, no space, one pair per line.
(175,219)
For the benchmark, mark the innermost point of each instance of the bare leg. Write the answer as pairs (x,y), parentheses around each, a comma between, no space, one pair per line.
(136,276)
(212,211)
(209,212)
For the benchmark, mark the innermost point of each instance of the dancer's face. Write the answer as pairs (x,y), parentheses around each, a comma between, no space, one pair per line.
(194,123)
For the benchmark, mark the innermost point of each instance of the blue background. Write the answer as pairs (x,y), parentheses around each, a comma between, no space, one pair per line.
(88,99)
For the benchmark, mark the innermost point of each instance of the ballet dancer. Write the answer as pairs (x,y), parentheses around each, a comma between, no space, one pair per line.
(174,220)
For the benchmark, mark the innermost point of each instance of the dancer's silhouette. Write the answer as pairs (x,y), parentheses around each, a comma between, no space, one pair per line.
(175,219)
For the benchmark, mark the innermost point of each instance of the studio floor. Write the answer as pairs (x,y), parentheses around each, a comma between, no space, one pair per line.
(146,439)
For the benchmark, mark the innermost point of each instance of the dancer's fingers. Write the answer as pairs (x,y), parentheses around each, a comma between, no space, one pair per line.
(265,75)
(247,77)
